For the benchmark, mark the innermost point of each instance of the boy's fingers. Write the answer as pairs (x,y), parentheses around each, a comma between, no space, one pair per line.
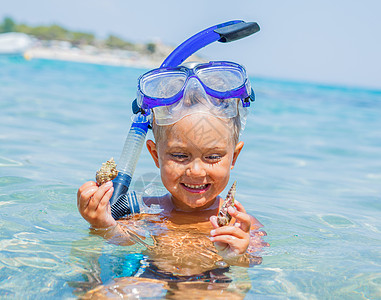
(84,187)
(239,206)
(106,198)
(85,198)
(213,220)
(231,231)
(99,194)
(93,202)
(242,217)
(227,239)
(234,242)
(220,246)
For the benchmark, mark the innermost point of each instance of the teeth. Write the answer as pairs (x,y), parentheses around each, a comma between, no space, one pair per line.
(202,186)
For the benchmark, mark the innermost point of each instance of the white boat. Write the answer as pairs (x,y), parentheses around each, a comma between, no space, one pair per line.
(14,43)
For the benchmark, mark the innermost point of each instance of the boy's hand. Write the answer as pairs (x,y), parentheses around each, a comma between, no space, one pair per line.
(233,240)
(93,204)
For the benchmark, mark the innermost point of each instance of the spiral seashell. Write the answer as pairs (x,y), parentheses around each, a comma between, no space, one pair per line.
(223,217)
(107,172)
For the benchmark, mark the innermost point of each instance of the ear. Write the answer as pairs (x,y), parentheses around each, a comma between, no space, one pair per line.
(237,151)
(151,146)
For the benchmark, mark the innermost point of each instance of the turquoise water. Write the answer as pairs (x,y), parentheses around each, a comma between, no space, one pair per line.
(310,172)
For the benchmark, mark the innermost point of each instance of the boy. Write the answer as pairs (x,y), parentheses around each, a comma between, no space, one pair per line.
(196,145)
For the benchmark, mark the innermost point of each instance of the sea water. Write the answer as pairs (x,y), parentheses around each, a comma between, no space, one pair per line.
(310,171)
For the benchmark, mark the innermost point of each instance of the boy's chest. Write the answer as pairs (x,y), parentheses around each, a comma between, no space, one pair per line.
(184,250)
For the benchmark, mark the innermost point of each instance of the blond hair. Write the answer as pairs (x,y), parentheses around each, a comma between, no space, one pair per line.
(234,124)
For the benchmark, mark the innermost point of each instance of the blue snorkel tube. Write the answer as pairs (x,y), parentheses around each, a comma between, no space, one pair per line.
(121,204)
(224,33)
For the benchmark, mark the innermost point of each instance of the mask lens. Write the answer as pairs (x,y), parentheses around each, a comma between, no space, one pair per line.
(221,78)
(214,88)
(164,84)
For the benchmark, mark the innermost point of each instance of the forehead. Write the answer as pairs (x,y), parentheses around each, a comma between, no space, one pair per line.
(199,130)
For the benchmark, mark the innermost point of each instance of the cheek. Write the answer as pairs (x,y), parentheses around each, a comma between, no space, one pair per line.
(222,169)
(170,176)
(226,162)
(220,173)
(171,170)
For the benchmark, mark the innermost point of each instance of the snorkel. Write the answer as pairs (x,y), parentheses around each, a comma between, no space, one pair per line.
(121,204)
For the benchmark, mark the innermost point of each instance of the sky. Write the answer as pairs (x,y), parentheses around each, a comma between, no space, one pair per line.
(335,42)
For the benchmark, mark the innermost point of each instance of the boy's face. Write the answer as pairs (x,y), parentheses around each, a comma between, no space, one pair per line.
(195,157)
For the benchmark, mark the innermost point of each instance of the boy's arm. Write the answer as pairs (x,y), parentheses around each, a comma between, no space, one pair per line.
(118,234)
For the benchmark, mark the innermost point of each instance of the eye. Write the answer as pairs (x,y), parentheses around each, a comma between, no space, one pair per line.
(213,157)
(179,156)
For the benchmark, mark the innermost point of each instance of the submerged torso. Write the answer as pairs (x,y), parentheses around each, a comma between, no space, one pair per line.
(181,243)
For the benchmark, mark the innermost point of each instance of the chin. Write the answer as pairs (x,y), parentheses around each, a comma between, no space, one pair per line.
(199,203)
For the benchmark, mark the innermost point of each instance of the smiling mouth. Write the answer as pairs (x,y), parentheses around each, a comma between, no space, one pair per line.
(196,188)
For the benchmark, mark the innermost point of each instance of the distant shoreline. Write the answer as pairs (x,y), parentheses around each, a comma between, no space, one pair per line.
(94,55)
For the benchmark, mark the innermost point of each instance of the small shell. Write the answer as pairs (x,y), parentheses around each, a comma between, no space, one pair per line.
(223,217)
(107,172)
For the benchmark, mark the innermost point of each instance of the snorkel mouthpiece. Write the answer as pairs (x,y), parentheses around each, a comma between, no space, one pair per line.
(121,204)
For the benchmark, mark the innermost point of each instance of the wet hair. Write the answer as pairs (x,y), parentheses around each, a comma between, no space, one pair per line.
(234,125)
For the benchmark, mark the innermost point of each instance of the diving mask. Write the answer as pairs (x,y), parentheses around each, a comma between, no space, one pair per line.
(217,88)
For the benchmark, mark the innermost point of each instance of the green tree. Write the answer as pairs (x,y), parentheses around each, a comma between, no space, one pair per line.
(52,32)
(81,38)
(115,42)
(151,47)
(8,25)
(23,28)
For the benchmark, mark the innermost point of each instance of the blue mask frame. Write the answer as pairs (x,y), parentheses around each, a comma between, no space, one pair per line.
(243,92)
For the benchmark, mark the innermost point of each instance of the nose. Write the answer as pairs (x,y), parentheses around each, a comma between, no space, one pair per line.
(196,169)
